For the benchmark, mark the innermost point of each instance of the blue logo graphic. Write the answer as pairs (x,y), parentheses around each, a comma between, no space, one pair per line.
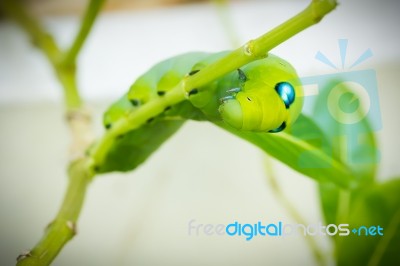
(351,99)
(343,52)
(368,231)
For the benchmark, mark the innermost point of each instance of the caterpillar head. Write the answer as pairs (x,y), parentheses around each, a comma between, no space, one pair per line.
(268,99)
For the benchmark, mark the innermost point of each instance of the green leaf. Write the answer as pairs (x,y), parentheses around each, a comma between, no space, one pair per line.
(376,205)
(303,149)
(133,148)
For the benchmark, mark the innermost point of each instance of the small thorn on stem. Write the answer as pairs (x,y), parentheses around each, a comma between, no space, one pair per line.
(248,48)
(48,226)
(72,226)
(24,255)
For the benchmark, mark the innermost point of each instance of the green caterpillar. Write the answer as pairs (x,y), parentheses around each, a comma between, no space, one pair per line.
(265,95)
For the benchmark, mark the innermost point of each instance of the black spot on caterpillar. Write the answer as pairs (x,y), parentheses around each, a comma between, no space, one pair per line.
(193,92)
(191,73)
(134,102)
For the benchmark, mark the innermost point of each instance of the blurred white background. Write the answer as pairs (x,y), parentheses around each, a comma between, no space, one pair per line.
(202,173)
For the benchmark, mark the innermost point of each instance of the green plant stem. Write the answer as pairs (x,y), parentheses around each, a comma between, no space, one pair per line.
(63,228)
(40,38)
(46,43)
(89,17)
(259,48)
(63,63)
(72,98)
(252,50)
(271,179)
(226,21)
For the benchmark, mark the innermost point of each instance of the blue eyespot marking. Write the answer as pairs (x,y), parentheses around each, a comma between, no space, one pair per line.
(286,92)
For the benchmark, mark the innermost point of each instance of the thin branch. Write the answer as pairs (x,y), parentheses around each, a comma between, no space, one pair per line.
(63,63)
(45,42)
(259,48)
(78,118)
(63,228)
(89,17)
(39,37)
(225,16)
